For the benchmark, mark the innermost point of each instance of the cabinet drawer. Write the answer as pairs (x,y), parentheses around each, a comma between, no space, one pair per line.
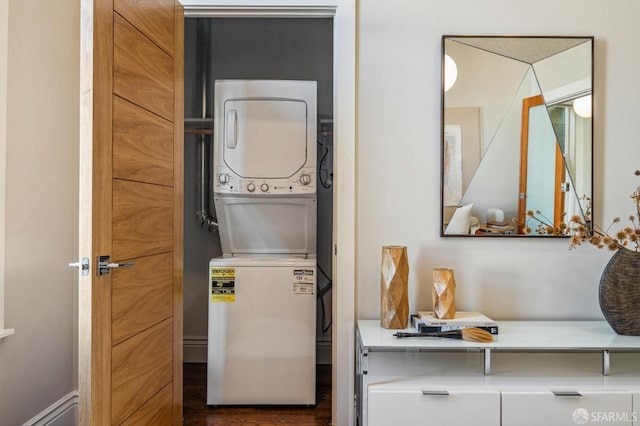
(563,409)
(432,406)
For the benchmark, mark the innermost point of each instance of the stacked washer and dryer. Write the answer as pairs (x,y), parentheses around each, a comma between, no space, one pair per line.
(262,291)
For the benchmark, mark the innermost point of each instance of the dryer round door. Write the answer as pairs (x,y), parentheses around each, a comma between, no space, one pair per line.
(265,138)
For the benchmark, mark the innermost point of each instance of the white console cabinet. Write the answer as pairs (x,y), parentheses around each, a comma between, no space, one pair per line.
(558,373)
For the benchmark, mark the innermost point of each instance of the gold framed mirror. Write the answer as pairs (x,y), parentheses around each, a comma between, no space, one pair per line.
(516,135)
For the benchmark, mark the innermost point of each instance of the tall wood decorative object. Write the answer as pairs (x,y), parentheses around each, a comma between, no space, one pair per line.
(394,292)
(444,291)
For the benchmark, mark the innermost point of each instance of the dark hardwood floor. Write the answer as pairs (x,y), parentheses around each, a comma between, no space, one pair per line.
(196,411)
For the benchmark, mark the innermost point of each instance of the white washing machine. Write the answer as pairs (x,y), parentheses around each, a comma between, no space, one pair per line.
(262,291)
(262,325)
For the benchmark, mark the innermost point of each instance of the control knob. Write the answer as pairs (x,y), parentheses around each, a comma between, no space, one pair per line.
(305,179)
(264,187)
(251,187)
(223,178)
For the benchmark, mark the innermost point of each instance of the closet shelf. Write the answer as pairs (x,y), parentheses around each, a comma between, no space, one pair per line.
(198,131)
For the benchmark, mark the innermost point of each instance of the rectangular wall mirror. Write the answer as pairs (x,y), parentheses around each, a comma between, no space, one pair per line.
(517,133)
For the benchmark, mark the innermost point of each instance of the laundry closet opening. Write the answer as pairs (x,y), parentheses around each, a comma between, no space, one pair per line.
(243,48)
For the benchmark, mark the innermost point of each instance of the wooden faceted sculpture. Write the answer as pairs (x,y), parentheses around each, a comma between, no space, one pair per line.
(444,292)
(394,297)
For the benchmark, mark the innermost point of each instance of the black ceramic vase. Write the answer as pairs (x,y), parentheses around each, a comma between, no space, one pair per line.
(619,292)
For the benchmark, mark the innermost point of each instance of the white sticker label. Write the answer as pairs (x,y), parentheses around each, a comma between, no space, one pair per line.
(304,281)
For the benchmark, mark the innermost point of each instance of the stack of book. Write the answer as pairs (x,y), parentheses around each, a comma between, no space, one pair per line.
(425,322)
(498,225)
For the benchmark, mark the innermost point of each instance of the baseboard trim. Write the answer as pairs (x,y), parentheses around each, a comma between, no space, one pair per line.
(59,413)
(323,352)
(194,349)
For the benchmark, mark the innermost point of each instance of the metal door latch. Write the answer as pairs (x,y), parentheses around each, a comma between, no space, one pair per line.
(104,265)
(83,265)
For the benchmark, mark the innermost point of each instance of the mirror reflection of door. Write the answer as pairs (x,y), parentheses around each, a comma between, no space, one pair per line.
(495,74)
(541,181)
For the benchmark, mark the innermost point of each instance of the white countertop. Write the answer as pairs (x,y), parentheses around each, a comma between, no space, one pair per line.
(513,335)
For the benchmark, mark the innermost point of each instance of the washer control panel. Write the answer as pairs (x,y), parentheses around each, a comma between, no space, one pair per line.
(302,182)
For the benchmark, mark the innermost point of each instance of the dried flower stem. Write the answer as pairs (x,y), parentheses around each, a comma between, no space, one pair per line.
(578,230)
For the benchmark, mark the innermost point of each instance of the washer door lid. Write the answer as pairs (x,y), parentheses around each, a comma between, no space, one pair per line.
(265,137)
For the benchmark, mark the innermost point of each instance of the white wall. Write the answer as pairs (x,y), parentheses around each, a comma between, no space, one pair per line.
(398,164)
(36,363)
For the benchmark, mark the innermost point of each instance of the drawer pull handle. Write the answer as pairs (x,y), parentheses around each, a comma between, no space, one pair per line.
(435,392)
(566,393)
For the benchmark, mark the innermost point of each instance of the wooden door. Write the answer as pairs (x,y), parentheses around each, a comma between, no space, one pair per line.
(556,200)
(130,326)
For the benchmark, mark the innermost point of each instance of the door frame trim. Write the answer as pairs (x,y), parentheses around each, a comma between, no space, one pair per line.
(259,12)
(178,212)
(85,193)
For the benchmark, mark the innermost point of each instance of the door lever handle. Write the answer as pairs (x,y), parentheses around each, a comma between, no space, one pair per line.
(105,264)
(119,265)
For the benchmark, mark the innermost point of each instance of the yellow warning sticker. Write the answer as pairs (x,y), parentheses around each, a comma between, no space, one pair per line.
(223,284)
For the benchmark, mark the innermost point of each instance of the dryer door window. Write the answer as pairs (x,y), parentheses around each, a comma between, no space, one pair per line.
(265,138)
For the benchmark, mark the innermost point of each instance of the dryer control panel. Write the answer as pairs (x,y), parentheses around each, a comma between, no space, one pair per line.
(227,182)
